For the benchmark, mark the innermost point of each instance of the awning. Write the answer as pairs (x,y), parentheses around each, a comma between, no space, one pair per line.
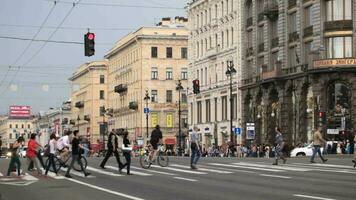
(170,141)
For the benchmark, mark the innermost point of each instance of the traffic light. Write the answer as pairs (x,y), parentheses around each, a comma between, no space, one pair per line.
(322,117)
(89,44)
(196,86)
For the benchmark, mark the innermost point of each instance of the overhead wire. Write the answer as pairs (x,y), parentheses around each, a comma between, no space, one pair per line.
(50,41)
(68,27)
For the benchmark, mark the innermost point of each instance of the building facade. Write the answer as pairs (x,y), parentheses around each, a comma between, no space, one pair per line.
(299,68)
(150,59)
(12,128)
(88,99)
(214,40)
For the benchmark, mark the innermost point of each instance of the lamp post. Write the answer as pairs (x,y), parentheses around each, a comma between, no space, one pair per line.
(78,119)
(179,88)
(230,72)
(146,99)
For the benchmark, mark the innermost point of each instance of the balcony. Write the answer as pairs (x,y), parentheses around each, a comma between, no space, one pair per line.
(79,104)
(271,74)
(249,22)
(120,88)
(261,17)
(133,105)
(341,25)
(292,37)
(292,4)
(308,31)
(274,42)
(87,118)
(251,80)
(249,52)
(261,47)
(271,10)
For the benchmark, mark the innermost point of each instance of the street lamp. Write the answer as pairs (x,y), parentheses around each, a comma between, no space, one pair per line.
(78,119)
(230,72)
(146,99)
(179,88)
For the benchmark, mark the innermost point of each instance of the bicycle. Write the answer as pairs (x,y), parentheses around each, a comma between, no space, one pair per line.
(59,163)
(162,157)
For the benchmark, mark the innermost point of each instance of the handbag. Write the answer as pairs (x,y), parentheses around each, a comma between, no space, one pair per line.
(126,149)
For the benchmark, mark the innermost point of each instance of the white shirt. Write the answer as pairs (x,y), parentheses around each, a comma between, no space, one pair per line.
(194,137)
(52,146)
(63,142)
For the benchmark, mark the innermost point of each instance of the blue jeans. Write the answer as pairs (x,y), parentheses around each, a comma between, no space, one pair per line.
(195,156)
(316,150)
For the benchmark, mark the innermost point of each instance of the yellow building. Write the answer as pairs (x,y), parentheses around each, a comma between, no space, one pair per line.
(12,128)
(152,59)
(89,94)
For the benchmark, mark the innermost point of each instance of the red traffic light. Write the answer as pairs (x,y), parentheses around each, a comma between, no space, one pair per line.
(321,114)
(91,36)
(196,82)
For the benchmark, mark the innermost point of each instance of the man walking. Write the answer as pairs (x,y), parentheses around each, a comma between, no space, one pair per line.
(112,148)
(76,156)
(279,147)
(195,148)
(318,141)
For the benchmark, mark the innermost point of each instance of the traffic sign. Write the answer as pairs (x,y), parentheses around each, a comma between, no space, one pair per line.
(146,110)
(237,131)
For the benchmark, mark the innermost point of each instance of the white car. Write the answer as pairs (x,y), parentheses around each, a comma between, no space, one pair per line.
(23,152)
(303,151)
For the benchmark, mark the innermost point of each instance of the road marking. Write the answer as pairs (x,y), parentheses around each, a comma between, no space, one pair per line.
(154,171)
(102,172)
(134,172)
(246,167)
(72,171)
(1,174)
(282,167)
(204,169)
(324,169)
(52,174)
(275,176)
(179,170)
(29,177)
(186,179)
(311,197)
(329,165)
(106,190)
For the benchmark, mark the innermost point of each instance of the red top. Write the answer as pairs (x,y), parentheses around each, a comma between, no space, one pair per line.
(31,148)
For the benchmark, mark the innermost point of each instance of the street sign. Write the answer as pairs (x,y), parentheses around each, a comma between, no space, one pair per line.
(146,110)
(333,131)
(237,131)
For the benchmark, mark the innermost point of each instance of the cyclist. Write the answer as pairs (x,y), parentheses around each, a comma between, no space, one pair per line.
(63,146)
(156,138)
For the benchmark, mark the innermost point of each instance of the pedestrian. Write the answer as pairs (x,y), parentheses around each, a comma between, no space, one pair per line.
(112,148)
(279,147)
(267,149)
(39,157)
(354,160)
(318,142)
(339,150)
(194,145)
(15,159)
(126,149)
(31,153)
(76,155)
(52,145)
(156,138)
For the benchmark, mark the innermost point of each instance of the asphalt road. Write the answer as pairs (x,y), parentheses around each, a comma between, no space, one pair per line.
(216,178)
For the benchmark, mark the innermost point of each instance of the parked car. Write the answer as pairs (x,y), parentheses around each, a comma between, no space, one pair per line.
(5,153)
(22,152)
(303,151)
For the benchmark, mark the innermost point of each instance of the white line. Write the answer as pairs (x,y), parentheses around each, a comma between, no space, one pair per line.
(29,177)
(276,176)
(186,179)
(311,197)
(134,172)
(1,174)
(246,167)
(328,165)
(106,190)
(179,170)
(282,167)
(52,174)
(204,169)
(72,171)
(316,168)
(154,171)
(102,172)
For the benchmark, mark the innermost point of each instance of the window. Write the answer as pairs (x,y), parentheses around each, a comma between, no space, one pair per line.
(216,109)
(308,18)
(260,37)
(339,47)
(274,59)
(274,29)
(234,106)
(10,126)
(260,5)
(338,10)
(154,73)
(28,126)
(207,111)
(224,107)
(10,136)
(292,58)
(102,94)
(169,52)
(184,75)
(169,96)
(154,52)
(307,50)
(199,112)
(184,98)
(154,96)
(169,74)
(16,126)
(292,21)
(102,79)
(184,52)
(22,126)
(249,39)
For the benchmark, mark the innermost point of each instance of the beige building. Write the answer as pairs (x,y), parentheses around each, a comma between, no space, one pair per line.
(89,94)
(214,39)
(12,128)
(152,59)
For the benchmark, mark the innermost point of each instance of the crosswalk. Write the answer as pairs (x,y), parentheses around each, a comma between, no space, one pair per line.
(183,172)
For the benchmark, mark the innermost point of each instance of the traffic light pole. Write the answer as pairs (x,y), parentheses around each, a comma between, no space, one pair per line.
(179,88)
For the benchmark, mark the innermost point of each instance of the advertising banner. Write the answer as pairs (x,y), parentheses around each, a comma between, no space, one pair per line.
(20,111)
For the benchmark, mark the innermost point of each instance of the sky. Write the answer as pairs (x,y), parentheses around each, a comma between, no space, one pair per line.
(39,71)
